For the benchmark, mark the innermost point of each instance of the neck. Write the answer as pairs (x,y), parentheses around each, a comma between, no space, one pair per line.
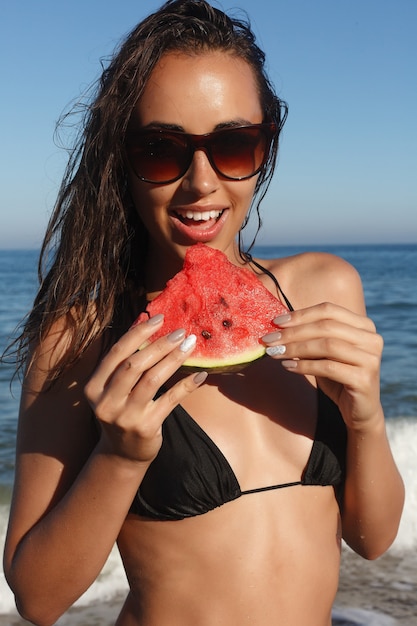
(160,266)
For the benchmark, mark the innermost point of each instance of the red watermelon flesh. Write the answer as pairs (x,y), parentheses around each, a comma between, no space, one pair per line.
(225,306)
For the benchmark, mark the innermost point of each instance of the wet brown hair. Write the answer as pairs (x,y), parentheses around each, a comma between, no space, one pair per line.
(95,244)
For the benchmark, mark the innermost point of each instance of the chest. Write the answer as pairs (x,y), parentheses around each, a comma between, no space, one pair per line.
(263,420)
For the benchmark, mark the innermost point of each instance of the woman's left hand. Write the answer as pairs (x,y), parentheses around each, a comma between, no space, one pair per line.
(341,349)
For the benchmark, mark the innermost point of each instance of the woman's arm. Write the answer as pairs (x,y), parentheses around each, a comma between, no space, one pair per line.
(338,345)
(73,488)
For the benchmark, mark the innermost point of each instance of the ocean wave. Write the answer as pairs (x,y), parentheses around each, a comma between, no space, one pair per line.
(402,434)
(360,617)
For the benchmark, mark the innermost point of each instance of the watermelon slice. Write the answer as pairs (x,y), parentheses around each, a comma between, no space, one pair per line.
(225,306)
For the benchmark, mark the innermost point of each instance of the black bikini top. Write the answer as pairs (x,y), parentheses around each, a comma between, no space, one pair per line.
(191,476)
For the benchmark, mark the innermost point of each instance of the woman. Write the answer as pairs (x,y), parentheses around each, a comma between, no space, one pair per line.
(294,448)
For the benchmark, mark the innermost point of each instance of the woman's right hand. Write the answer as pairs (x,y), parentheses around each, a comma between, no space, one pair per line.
(72,494)
(122,390)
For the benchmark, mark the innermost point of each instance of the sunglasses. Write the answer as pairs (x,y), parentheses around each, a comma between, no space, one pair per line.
(163,156)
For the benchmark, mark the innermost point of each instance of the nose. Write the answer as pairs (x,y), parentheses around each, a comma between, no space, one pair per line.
(200,178)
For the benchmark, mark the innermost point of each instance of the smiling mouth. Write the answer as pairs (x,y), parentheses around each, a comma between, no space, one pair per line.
(198,216)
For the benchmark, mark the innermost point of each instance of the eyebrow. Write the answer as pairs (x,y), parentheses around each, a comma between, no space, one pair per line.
(176,127)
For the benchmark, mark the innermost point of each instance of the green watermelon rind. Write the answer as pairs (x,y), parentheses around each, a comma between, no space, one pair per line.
(233,363)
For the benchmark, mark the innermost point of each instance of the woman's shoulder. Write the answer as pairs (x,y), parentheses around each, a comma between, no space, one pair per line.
(309,278)
(54,353)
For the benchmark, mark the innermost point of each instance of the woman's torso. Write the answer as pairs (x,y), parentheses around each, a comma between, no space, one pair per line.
(263,555)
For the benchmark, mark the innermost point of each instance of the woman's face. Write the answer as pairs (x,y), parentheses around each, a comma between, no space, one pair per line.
(196,94)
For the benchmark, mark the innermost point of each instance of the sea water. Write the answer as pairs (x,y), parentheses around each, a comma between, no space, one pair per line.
(389,275)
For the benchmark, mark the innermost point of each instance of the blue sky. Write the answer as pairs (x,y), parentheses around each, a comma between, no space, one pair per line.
(348,165)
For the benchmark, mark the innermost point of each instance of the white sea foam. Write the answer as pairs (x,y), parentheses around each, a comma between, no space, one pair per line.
(402,434)
(361,617)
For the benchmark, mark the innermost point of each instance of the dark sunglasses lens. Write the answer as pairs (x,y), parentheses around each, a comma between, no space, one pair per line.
(239,152)
(158,157)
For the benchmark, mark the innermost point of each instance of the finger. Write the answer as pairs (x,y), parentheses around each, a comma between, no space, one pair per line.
(176,394)
(124,391)
(130,371)
(326,329)
(327,348)
(356,379)
(127,345)
(332,349)
(325,311)
(331,358)
(155,377)
(147,418)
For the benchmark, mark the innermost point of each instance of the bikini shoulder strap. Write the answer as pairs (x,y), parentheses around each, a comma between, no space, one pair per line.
(272,277)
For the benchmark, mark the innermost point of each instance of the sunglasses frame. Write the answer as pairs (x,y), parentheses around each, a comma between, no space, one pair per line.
(199,142)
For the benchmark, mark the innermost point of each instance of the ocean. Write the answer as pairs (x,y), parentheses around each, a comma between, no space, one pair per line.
(377,593)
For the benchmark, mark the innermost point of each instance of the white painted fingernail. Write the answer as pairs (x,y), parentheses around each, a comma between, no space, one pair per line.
(188,343)
(276,350)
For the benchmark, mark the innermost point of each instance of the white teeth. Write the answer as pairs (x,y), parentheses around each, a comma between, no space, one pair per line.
(198,216)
